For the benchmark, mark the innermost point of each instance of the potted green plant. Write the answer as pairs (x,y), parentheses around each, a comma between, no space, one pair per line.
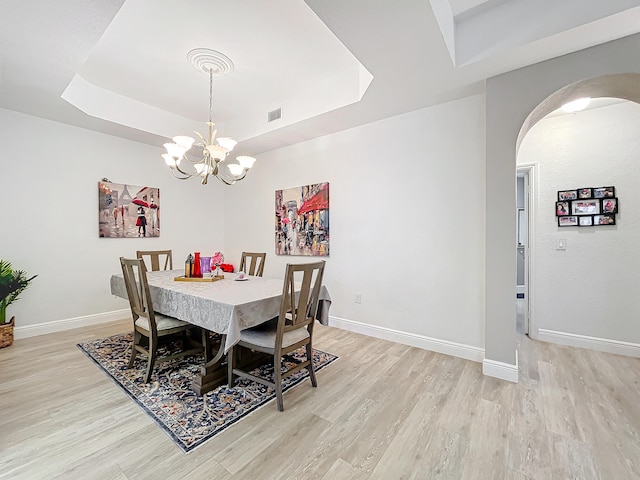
(12,284)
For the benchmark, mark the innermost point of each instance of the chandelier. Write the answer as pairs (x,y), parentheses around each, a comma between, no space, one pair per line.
(214,150)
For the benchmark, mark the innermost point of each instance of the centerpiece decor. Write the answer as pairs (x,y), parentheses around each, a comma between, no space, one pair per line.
(12,284)
(216,260)
(199,268)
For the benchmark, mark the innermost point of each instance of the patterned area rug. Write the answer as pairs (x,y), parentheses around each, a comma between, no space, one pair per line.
(189,419)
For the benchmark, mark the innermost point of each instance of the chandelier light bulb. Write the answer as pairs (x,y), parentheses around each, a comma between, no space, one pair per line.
(245,161)
(235,169)
(175,150)
(170,161)
(227,143)
(216,151)
(184,141)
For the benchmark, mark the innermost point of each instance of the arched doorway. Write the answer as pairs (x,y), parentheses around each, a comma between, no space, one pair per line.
(621,85)
(585,279)
(515,101)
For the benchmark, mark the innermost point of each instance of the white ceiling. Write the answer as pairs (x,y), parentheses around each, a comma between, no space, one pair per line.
(478,30)
(317,75)
(461,6)
(125,62)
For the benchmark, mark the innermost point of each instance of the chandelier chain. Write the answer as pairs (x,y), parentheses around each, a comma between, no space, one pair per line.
(210,93)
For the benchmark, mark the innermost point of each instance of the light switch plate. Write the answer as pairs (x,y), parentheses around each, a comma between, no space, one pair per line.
(561,244)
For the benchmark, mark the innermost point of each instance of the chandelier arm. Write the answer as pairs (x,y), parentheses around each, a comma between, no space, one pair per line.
(177,167)
(229,180)
(185,176)
(192,162)
(226,182)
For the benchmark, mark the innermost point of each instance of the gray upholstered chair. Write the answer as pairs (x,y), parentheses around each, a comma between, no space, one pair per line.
(252,263)
(291,330)
(149,324)
(155,256)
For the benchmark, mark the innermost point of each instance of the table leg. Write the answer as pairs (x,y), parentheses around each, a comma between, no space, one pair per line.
(214,372)
(206,344)
(211,373)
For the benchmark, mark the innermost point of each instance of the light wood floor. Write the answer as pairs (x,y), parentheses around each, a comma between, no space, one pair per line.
(383,411)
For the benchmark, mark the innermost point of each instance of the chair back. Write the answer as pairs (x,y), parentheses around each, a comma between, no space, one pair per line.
(298,309)
(134,272)
(156,256)
(252,263)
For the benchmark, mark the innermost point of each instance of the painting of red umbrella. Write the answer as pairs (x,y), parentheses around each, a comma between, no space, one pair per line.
(128,211)
(140,203)
(302,220)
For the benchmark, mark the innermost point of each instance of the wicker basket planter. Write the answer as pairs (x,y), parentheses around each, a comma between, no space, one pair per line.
(6,333)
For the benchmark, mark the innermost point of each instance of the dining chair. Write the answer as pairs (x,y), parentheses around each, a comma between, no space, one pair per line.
(291,330)
(151,325)
(252,263)
(155,257)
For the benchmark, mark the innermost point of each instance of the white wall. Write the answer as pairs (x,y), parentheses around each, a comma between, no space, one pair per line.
(410,242)
(511,97)
(407,221)
(49,205)
(591,288)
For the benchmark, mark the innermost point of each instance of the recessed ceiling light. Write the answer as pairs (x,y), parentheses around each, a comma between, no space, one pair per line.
(576,105)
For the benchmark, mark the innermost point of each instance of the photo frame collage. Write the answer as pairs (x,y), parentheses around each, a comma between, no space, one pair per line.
(587,207)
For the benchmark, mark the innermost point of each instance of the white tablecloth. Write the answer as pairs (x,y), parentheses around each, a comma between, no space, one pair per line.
(226,306)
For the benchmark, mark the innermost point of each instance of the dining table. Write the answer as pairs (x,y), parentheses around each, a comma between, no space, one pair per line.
(225,306)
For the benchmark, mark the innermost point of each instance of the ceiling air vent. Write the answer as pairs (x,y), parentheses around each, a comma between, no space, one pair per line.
(275,114)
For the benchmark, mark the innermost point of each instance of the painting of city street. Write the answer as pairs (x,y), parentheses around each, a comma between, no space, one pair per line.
(302,220)
(128,211)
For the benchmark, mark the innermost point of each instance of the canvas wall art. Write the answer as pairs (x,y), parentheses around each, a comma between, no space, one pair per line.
(302,220)
(128,211)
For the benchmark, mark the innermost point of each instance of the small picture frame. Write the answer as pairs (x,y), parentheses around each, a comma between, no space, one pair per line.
(609,205)
(585,207)
(605,219)
(567,195)
(585,221)
(604,192)
(568,221)
(585,192)
(562,208)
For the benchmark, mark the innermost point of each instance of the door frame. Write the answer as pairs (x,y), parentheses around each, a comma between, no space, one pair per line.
(530,195)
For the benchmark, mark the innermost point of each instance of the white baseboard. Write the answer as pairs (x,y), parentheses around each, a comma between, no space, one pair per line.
(501,370)
(467,352)
(69,323)
(593,343)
